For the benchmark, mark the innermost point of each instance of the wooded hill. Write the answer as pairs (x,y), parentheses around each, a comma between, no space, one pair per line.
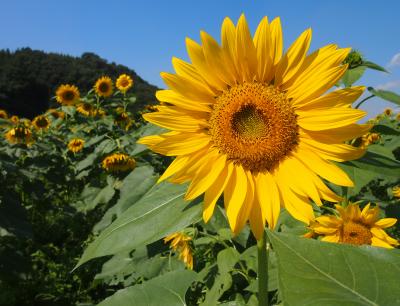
(29,78)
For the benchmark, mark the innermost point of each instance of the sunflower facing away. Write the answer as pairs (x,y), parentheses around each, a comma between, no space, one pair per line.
(67,94)
(396,191)
(355,226)
(3,114)
(55,114)
(180,242)
(124,83)
(85,109)
(41,122)
(256,125)
(19,134)
(104,87)
(118,162)
(76,145)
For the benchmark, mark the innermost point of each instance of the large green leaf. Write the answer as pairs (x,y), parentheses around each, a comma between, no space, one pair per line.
(134,186)
(312,272)
(385,95)
(161,211)
(168,289)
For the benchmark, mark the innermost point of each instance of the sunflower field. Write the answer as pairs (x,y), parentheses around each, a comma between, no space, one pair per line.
(253,182)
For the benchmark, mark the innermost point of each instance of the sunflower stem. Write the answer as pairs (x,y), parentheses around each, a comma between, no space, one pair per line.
(362,101)
(262,271)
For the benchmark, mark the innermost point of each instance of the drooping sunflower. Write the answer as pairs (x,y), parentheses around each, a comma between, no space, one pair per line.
(67,94)
(370,138)
(256,124)
(55,114)
(354,226)
(180,242)
(3,114)
(20,134)
(396,191)
(122,119)
(85,109)
(41,122)
(14,119)
(76,145)
(124,83)
(118,162)
(104,87)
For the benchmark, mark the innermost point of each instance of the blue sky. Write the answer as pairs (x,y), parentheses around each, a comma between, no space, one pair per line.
(144,35)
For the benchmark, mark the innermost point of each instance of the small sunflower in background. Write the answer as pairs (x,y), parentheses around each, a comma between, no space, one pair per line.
(398,117)
(85,109)
(76,145)
(67,94)
(55,114)
(180,242)
(369,139)
(41,122)
(124,83)
(104,87)
(122,119)
(355,226)
(396,191)
(14,119)
(20,134)
(388,111)
(3,114)
(99,113)
(118,162)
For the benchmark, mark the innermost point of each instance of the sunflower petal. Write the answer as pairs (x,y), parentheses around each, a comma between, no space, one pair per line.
(235,194)
(262,42)
(214,192)
(386,222)
(246,51)
(268,198)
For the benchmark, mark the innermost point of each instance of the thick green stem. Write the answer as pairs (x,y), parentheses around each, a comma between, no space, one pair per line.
(262,271)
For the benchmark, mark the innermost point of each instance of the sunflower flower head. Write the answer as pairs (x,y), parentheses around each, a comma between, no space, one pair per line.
(388,111)
(86,109)
(355,226)
(257,125)
(67,94)
(354,59)
(398,117)
(122,119)
(20,134)
(396,191)
(124,83)
(104,87)
(180,242)
(369,139)
(41,122)
(14,119)
(118,162)
(76,145)
(55,114)
(3,114)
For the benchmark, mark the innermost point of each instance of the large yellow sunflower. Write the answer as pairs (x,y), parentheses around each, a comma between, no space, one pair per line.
(67,94)
(354,226)
(256,124)
(104,87)
(124,83)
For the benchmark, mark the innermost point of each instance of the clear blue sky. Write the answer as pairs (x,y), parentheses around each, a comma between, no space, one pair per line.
(144,35)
